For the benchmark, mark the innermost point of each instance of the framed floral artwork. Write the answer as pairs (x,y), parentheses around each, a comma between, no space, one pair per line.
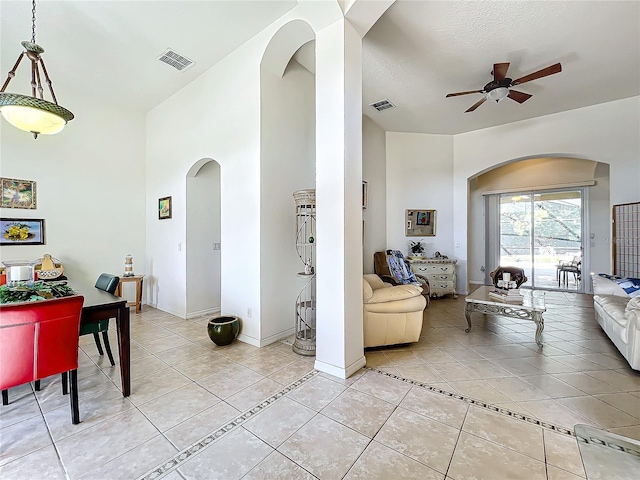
(164,208)
(18,193)
(21,231)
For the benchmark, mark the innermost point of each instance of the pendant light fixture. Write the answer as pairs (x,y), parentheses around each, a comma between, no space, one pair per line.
(33,114)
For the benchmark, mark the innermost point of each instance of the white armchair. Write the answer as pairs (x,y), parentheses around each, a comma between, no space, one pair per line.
(392,314)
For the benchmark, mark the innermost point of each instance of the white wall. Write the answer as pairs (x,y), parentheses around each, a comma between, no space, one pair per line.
(607,133)
(216,116)
(374,162)
(203,230)
(419,172)
(90,189)
(425,171)
(287,164)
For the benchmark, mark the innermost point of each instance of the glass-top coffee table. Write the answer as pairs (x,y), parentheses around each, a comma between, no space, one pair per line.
(531,308)
(606,455)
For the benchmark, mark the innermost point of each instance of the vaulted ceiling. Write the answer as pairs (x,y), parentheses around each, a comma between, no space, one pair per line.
(414,55)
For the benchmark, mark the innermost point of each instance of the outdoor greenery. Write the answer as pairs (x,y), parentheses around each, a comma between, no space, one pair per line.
(34,291)
(557,227)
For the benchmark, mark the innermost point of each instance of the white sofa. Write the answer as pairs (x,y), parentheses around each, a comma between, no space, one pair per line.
(619,316)
(392,314)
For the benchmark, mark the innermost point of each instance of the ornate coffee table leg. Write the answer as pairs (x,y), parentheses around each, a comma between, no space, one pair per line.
(467,314)
(539,321)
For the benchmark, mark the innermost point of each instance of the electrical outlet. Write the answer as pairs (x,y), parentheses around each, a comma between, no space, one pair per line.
(216,245)
(180,246)
(249,312)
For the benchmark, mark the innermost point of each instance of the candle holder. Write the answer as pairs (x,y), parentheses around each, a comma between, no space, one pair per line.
(19,271)
(128,266)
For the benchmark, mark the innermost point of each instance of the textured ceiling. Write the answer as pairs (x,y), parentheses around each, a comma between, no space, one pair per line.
(420,51)
(110,48)
(414,55)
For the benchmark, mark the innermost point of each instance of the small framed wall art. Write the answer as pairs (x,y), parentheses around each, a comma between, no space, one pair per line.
(420,223)
(18,193)
(164,208)
(21,231)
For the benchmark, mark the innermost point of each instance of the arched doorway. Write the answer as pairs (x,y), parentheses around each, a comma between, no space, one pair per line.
(538,212)
(287,164)
(203,233)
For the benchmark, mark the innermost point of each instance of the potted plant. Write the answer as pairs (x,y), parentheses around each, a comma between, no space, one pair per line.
(416,248)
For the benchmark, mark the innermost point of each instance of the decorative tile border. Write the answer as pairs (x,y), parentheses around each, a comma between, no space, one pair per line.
(178,459)
(616,444)
(472,401)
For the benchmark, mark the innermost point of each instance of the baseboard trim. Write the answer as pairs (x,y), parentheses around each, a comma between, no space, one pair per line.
(210,311)
(276,337)
(339,371)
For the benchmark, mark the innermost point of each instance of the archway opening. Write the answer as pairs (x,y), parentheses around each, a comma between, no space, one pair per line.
(203,244)
(287,160)
(538,183)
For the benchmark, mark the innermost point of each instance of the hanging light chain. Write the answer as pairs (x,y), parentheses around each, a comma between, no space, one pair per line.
(33,22)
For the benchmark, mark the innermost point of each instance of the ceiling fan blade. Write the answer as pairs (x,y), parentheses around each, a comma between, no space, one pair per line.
(500,71)
(462,93)
(476,105)
(519,97)
(557,68)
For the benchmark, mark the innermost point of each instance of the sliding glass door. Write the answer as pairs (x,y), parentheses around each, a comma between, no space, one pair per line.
(541,232)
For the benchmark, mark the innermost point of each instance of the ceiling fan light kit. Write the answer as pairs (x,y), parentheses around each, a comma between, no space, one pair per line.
(498,94)
(500,87)
(30,113)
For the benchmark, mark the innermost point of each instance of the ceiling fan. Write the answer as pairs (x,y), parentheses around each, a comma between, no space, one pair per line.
(499,88)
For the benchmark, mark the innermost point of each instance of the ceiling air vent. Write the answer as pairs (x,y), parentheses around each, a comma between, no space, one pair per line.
(382,105)
(176,60)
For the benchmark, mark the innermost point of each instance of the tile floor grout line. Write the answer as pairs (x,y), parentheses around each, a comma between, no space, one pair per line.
(195,448)
(457,441)
(55,447)
(481,404)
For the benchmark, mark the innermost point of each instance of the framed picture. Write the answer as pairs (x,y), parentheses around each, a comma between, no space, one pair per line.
(420,223)
(18,193)
(365,193)
(22,231)
(164,208)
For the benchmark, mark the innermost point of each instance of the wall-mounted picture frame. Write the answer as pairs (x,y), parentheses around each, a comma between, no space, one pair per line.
(18,193)
(365,194)
(21,231)
(164,208)
(420,223)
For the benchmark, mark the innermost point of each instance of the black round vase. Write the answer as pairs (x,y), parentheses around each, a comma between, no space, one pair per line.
(223,330)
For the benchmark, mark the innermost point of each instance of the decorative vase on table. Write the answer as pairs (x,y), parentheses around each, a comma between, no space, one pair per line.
(223,330)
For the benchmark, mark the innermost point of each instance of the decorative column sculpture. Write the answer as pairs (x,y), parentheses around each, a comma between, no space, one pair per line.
(305,309)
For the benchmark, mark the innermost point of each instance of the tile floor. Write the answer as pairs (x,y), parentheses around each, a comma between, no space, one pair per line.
(201,411)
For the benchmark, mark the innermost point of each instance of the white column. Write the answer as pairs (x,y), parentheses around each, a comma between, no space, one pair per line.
(339,347)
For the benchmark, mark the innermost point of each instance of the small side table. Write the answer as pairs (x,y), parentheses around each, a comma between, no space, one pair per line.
(138,280)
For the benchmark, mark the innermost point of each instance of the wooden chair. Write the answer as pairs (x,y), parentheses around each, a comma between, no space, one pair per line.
(108,283)
(40,339)
(517,275)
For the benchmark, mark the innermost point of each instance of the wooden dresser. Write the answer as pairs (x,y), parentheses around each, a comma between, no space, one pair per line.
(441,274)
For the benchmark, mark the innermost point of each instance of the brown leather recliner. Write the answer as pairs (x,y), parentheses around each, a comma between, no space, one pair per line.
(381,268)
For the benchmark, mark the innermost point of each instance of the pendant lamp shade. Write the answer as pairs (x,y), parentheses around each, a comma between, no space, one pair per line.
(30,113)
